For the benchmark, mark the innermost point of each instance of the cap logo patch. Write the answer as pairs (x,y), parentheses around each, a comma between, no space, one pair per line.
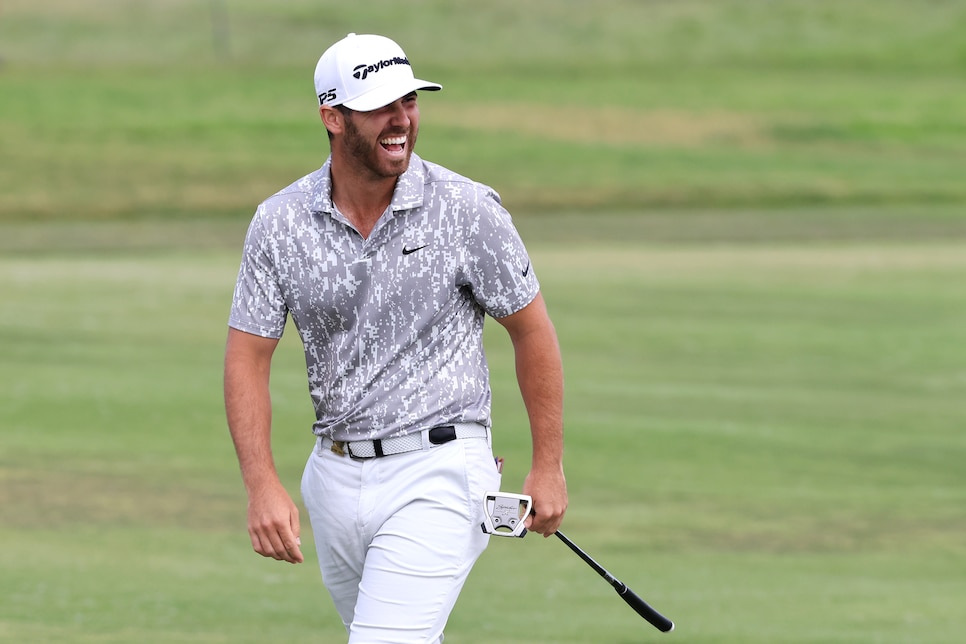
(361,72)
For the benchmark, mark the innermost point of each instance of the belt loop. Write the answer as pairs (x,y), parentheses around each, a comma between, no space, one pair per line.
(424,438)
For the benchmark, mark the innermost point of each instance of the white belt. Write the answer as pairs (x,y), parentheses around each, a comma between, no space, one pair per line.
(424,439)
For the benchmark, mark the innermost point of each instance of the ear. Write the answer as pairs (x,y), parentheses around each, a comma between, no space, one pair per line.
(332,119)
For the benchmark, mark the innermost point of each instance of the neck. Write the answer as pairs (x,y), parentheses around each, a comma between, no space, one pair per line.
(361,197)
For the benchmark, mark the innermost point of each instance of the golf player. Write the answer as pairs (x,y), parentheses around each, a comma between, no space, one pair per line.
(387,265)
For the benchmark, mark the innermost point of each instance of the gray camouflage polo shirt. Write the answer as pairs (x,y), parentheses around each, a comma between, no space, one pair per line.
(391,325)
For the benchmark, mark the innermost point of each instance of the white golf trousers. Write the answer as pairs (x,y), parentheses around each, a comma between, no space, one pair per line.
(397,536)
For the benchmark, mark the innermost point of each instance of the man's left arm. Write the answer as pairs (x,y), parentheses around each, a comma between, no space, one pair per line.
(540,376)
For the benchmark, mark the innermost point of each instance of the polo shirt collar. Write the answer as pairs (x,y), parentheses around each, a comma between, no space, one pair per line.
(407,195)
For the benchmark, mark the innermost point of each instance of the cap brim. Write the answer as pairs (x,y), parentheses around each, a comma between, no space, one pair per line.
(386,94)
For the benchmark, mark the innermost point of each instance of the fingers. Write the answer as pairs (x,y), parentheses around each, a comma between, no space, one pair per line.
(547,513)
(278,540)
(280,545)
(544,521)
(296,532)
(548,489)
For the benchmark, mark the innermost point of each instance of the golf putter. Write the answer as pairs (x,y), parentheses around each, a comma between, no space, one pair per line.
(504,514)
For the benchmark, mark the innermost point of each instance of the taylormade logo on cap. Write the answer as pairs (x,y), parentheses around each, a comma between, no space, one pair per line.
(364,73)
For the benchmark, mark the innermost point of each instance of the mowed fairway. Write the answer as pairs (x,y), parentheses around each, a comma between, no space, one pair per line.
(749,221)
(763,441)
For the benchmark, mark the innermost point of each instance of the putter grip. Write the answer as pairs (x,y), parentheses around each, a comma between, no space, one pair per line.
(657,620)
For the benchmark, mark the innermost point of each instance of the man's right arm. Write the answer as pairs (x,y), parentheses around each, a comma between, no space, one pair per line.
(273,518)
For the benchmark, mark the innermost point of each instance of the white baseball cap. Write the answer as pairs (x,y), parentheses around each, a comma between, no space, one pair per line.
(364,73)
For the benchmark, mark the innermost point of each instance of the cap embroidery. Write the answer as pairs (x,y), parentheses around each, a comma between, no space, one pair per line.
(363,71)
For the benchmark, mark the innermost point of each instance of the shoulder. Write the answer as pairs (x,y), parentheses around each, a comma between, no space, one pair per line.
(299,196)
(288,211)
(443,182)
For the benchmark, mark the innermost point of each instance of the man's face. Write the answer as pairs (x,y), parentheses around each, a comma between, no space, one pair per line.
(380,142)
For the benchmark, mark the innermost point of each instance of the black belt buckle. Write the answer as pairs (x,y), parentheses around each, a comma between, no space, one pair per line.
(376,446)
(440,435)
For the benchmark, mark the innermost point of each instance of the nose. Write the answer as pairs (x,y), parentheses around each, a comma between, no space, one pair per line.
(399,115)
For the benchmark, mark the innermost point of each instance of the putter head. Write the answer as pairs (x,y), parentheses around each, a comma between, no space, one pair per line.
(504,513)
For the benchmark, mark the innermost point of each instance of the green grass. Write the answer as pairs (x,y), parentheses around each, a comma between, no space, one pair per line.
(748,219)
(764,440)
(137,110)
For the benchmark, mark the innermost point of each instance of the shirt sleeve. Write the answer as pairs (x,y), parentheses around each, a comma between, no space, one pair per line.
(258,306)
(498,268)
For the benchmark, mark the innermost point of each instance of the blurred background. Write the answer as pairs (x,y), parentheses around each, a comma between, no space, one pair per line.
(749,221)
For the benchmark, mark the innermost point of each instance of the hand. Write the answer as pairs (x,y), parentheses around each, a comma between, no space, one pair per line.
(273,525)
(548,489)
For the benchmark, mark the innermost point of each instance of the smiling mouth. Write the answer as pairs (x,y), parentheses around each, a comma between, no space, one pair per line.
(394,144)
